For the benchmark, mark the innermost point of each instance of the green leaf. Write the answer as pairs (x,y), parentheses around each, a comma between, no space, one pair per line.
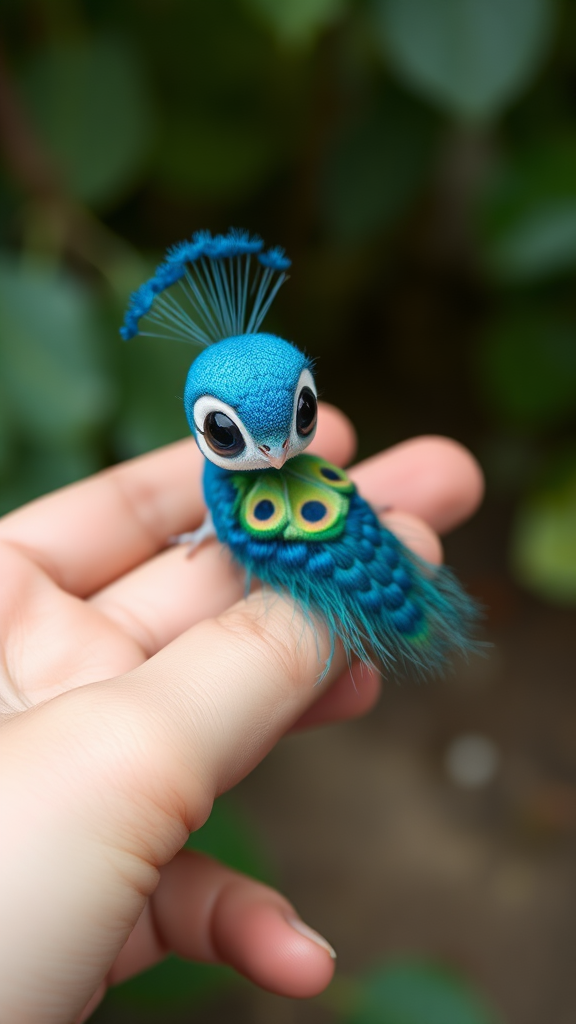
(527,365)
(91,105)
(528,213)
(376,166)
(297,22)
(472,57)
(51,371)
(543,549)
(416,992)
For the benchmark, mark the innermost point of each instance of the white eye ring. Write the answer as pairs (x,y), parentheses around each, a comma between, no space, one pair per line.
(249,458)
(298,443)
(206,404)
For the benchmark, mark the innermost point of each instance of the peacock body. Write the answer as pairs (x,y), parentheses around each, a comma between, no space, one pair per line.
(291,519)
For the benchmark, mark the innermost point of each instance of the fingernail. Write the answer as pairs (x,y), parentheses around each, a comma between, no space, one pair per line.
(309,933)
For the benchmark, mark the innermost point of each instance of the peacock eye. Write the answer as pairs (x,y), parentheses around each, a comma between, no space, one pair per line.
(222,435)
(306,412)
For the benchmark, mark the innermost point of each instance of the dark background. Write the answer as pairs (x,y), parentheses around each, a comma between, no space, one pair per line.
(417,159)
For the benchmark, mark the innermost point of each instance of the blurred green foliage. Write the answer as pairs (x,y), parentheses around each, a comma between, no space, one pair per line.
(412,991)
(378,162)
(417,158)
(471,57)
(94,113)
(544,538)
(530,207)
(528,364)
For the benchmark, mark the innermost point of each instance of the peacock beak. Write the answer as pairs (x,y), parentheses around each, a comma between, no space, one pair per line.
(275,456)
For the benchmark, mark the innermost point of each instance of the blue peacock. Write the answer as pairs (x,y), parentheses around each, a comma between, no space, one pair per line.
(292,519)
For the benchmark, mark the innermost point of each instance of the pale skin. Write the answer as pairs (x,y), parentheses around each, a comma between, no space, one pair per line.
(136,686)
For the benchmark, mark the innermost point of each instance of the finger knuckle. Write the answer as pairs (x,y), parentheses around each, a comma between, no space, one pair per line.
(272,637)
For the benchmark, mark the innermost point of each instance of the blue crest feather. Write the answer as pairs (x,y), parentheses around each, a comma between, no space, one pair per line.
(226,283)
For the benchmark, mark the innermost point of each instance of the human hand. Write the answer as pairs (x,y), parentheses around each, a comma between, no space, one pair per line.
(136,685)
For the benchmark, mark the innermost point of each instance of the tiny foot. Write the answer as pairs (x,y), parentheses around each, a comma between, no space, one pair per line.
(196,537)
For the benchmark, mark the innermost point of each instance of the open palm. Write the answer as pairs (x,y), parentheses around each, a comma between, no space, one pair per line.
(136,685)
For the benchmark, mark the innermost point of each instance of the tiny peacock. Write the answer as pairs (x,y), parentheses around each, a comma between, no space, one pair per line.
(291,519)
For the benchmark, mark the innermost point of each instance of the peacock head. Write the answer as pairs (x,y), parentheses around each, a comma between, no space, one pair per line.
(250,397)
(251,402)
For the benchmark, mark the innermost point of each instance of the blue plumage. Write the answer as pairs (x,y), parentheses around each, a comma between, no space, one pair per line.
(292,520)
(250,372)
(377,597)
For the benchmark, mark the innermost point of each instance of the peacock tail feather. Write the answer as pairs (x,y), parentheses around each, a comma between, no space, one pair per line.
(317,540)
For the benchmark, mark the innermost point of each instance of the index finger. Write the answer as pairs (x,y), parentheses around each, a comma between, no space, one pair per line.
(90,533)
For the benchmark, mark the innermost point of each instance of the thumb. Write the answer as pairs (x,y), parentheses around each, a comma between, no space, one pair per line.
(220,696)
(113,775)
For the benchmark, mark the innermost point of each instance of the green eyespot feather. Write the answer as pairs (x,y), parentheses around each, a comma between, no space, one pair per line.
(306,500)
